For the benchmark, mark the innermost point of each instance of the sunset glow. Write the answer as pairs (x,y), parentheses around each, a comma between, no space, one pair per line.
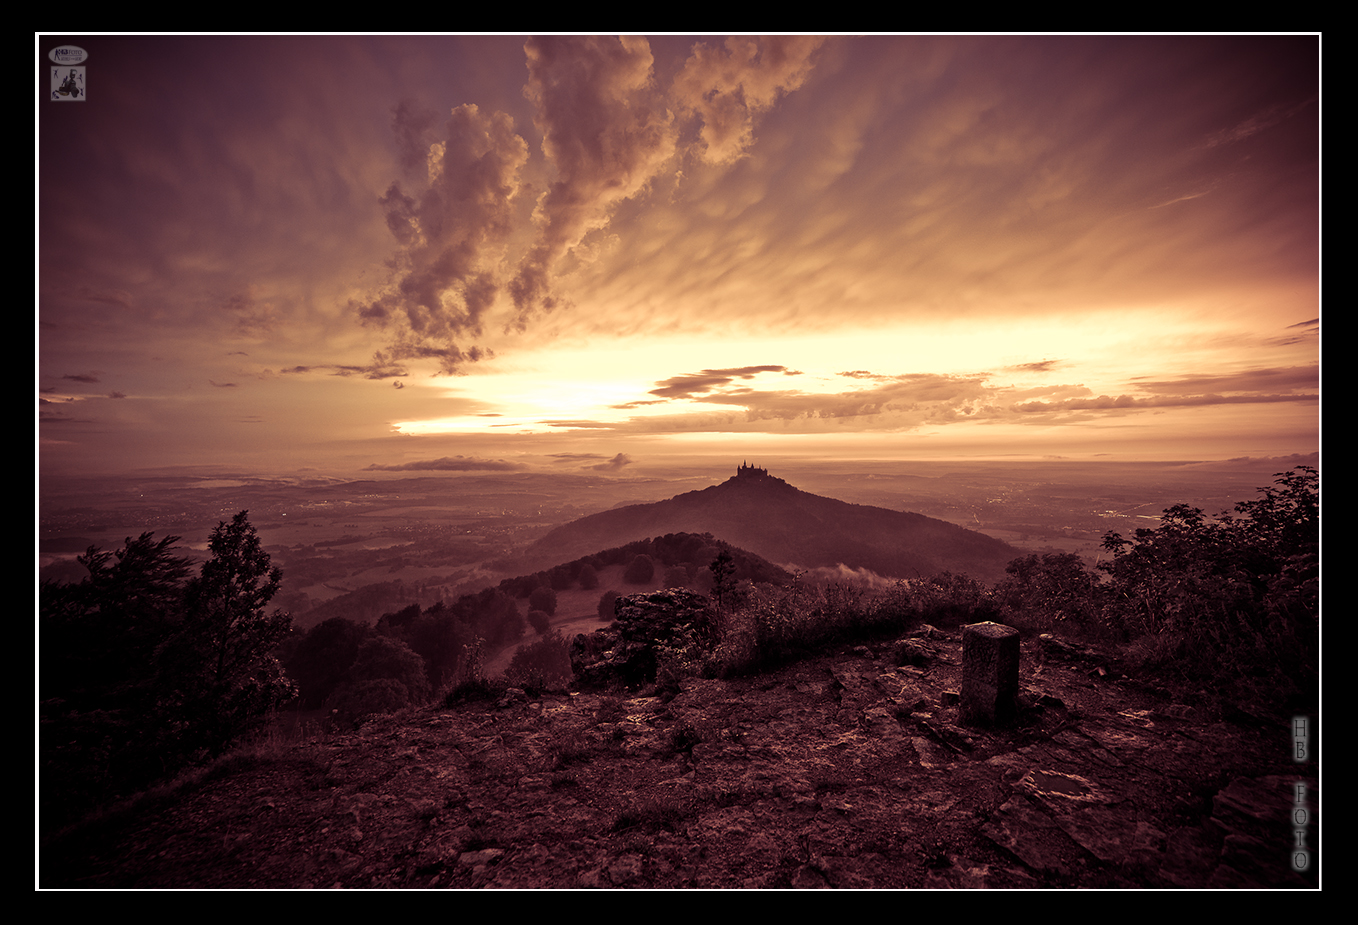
(350,254)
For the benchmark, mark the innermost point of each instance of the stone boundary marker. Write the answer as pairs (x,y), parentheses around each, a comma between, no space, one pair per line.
(990,663)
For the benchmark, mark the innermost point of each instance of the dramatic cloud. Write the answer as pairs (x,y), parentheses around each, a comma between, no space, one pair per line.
(727,87)
(452,235)
(708,380)
(1299,380)
(1091,244)
(909,401)
(608,131)
(605,135)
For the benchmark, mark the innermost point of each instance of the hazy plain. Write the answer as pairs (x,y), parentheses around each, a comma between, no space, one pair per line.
(430,537)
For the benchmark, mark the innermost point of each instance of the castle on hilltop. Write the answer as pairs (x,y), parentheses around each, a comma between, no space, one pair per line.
(747,471)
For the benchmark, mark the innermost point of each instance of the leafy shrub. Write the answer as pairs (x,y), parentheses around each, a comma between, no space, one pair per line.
(641,571)
(1043,591)
(1232,601)
(542,664)
(383,658)
(356,700)
(770,625)
(321,660)
(673,628)
(540,621)
(676,576)
(543,598)
(947,599)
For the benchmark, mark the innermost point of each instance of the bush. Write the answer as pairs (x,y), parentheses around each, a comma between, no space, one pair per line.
(541,664)
(1233,601)
(952,600)
(671,628)
(772,625)
(351,703)
(1043,591)
(640,572)
(606,602)
(543,598)
(321,661)
(540,621)
(383,658)
(471,682)
(676,576)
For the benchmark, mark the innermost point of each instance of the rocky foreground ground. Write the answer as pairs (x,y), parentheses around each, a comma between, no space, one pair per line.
(846,771)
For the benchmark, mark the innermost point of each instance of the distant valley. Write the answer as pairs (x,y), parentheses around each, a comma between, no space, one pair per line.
(384,542)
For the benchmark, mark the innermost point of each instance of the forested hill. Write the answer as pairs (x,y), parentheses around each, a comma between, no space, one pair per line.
(773,519)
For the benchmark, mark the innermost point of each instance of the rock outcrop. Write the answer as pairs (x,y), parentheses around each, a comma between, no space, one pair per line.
(673,623)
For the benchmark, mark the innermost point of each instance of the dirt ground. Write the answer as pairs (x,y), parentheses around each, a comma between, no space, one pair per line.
(845,771)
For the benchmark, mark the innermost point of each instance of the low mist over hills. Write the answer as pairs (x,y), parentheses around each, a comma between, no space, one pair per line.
(766,515)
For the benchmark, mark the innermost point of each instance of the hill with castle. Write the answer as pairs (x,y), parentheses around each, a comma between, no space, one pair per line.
(771,518)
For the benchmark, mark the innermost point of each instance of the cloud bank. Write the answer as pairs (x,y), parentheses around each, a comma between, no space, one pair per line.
(447,464)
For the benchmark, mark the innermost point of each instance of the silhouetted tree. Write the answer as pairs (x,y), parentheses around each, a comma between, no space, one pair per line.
(219,673)
(491,614)
(589,577)
(144,671)
(723,570)
(99,636)
(101,730)
(438,637)
(355,700)
(606,601)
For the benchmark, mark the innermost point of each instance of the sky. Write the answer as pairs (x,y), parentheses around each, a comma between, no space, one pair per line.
(366,254)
